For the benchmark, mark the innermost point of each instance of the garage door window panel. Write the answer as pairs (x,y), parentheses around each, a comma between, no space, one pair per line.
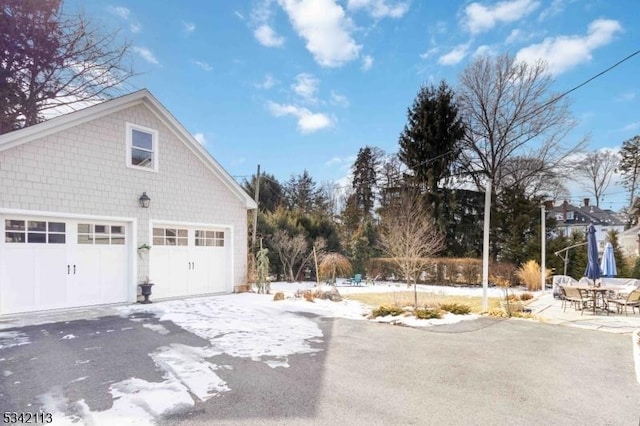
(34,232)
(170,237)
(209,238)
(97,234)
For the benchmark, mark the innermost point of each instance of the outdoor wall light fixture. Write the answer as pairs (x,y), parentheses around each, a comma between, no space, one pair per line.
(144,200)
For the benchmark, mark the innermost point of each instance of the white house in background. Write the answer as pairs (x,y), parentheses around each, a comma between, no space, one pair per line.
(629,241)
(72,223)
(572,219)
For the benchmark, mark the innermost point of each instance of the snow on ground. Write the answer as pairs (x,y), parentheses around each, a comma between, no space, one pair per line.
(9,339)
(246,325)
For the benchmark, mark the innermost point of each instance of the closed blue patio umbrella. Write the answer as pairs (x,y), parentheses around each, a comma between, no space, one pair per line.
(593,268)
(608,262)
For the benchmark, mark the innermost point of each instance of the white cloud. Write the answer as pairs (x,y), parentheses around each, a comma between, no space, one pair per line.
(631,127)
(480,18)
(627,96)
(367,62)
(326,29)
(333,161)
(238,15)
(454,56)
(135,28)
(122,12)
(205,66)
(380,8)
(267,83)
(555,8)
(261,24)
(565,52)
(306,86)
(200,138)
(338,99)
(484,50)
(189,27)
(514,36)
(266,36)
(429,53)
(146,54)
(308,122)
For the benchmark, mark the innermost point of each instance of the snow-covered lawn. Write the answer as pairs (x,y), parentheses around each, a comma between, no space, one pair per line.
(246,325)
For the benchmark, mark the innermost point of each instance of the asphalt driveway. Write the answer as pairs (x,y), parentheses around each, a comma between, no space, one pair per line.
(477,372)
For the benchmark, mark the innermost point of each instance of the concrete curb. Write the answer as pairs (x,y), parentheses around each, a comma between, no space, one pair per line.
(635,342)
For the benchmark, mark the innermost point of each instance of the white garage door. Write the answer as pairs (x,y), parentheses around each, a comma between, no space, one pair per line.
(187,261)
(51,263)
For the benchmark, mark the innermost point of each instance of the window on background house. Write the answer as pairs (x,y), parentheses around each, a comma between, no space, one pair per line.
(142,147)
(569,215)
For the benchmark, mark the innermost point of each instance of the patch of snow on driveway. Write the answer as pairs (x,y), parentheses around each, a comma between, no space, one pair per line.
(9,339)
(245,325)
(188,365)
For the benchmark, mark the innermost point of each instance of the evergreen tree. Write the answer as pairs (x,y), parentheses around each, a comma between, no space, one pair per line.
(629,166)
(271,191)
(517,223)
(365,180)
(429,142)
(303,195)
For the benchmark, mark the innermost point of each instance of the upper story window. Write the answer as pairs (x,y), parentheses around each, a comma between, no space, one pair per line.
(142,147)
(570,215)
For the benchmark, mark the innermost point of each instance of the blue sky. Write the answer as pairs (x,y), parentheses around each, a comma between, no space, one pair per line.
(303,84)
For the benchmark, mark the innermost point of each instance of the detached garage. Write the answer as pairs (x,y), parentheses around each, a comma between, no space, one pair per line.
(75,231)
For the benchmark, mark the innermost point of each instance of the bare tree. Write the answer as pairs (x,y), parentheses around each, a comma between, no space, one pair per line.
(535,179)
(290,250)
(598,168)
(409,237)
(53,60)
(510,112)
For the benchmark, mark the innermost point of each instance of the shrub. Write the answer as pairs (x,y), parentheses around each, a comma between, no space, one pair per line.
(427,313)
(384,310)
(308,295)
(456,308)
(278,296)
(529,275)
(526,296)
(497,312)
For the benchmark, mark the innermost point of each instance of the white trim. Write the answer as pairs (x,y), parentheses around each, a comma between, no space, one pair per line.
(39,213)
(182,223)
(155,139)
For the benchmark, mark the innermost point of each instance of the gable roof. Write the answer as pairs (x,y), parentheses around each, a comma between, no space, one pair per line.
(144,97)
(586,214)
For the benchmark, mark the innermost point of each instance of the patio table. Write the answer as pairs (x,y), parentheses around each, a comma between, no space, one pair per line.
(594,292)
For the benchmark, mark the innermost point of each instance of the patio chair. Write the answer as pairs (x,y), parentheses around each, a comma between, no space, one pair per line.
(573,295)
(356,280)
(633,300)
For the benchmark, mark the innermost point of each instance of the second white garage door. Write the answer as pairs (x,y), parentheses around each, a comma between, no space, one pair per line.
(186,261)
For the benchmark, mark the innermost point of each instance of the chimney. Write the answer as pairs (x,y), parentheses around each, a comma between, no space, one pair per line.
(564,210)
(586,202)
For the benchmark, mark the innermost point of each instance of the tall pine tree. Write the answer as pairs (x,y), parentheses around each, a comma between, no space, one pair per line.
(365,180)
(429,141)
